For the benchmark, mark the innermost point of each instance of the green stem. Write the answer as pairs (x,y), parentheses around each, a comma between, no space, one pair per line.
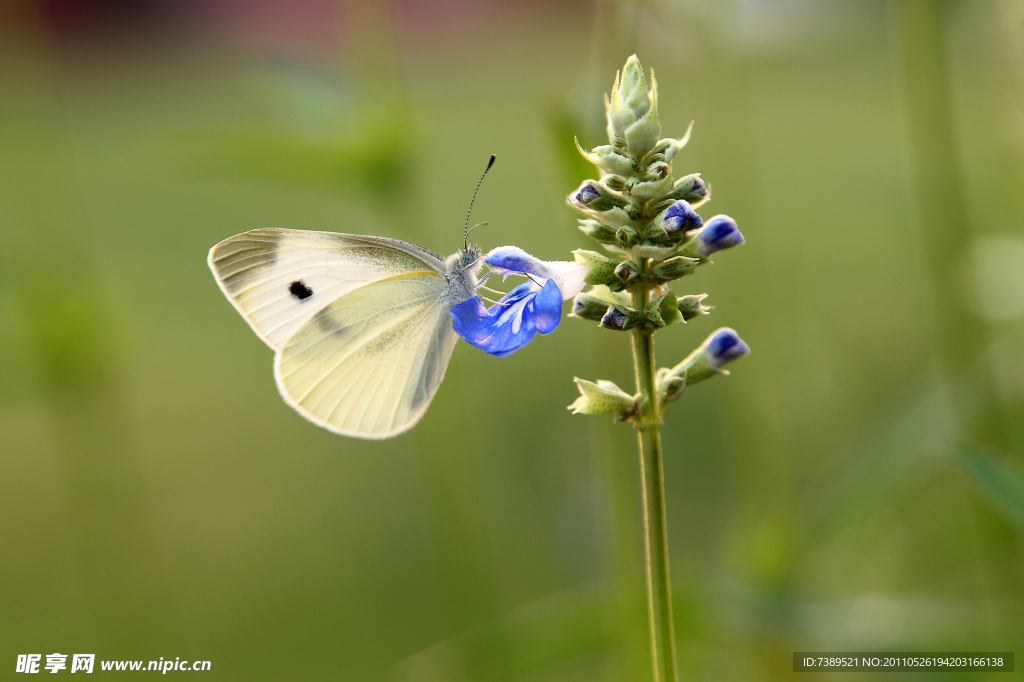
(659,590)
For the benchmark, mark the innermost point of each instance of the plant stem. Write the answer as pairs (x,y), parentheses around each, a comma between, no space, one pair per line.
(659,589)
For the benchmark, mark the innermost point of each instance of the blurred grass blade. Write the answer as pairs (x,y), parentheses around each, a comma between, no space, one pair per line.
(1003,485)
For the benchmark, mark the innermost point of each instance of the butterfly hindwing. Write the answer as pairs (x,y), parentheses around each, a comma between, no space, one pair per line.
(279,279)
(369,363)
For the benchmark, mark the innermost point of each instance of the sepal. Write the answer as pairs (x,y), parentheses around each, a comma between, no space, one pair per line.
(608,159)
(652,311)
(692,306)
(603,397)
(677,145)
(673,268)
(595,230)
(601,269)
(669,309)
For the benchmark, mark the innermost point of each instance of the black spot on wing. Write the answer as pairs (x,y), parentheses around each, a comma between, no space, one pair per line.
(299,290)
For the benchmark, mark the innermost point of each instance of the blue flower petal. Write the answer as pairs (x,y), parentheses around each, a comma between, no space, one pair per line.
(680,218)
(547,307)
(510,324)
(513,260)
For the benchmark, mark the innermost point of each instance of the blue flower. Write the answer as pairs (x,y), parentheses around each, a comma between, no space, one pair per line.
(718,233)
(724,346)
(533,306)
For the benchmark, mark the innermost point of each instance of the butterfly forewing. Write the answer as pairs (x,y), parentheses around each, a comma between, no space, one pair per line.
(279,279)
(368,363)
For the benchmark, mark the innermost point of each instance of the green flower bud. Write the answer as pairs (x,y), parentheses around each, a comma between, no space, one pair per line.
(596,201)
(655,251)
(691,189)
(594,229)
(595,196)
(616,183)
(674,268)
(632,111)
(626,237)
(643,135)
(691,306)
(587,307)
(604,397)
(655,183)
(664,144)
(594,303)
(627,272)
(601,269)
(607,159)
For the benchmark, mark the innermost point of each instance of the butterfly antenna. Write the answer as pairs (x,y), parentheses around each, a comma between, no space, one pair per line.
(465,231)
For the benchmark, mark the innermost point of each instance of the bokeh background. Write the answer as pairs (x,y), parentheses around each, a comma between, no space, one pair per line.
(856,484)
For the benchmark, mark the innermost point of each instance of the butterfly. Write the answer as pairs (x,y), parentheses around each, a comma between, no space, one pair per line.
(361,325)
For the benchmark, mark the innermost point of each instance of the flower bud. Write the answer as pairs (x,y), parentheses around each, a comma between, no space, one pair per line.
(679,218)
(626,237)
(588,307)
(718,233)
(655,251)
(620,318)
(595,302)
(595,201)
(594,229)
(627,272)
(604,397)
(690,188)
(656,182)
(601,269)
(632,111)
(594,196)
(616,183)
(692,306)
(607,159)
(674,268)
(723,346)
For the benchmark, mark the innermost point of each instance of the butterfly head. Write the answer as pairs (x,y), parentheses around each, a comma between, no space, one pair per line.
(468,259)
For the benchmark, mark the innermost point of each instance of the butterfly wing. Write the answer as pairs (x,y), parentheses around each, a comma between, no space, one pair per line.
(279,279)
(369,363)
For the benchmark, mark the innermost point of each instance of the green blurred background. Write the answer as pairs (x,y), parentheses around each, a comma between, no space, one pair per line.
(856,484)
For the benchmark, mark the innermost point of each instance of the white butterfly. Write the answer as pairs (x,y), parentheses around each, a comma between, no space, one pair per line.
(361,325)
